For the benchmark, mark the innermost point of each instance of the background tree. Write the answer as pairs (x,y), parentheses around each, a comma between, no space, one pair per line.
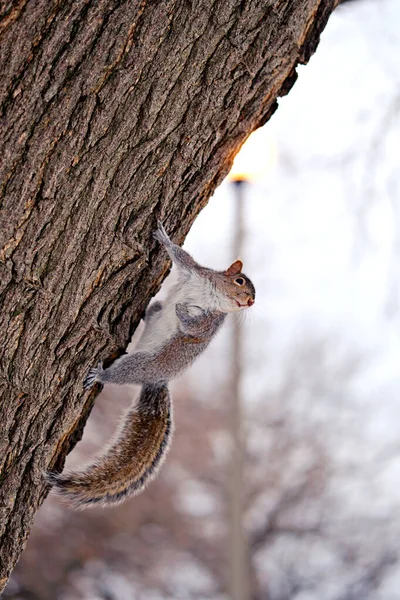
(113,114)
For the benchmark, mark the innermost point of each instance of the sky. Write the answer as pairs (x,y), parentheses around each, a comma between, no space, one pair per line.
(322,227)
(322,233)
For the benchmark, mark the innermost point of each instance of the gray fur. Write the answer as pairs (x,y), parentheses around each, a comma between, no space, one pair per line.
(178,255)
(170,360)
(152,310)
(175,334)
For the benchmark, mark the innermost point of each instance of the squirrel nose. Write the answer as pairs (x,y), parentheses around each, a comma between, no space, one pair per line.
(250,302)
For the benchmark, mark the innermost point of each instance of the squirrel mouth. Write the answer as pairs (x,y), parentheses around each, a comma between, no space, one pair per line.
(250,302)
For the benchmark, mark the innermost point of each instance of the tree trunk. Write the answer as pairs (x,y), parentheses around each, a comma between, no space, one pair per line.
(113,113)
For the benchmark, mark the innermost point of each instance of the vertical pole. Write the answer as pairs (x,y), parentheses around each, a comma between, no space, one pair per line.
(239,559)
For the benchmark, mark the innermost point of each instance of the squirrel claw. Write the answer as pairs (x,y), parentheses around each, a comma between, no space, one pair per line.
(161,235)
(93,376)
(182,312)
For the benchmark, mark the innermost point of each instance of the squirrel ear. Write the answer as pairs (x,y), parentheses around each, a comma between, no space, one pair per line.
(235,268)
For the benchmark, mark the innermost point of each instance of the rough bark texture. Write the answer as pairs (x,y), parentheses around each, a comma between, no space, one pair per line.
(113,113)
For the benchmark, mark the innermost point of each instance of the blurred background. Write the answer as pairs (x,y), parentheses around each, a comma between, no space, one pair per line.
(283,478)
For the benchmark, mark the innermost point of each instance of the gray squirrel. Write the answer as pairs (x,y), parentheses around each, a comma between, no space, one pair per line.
(175,333)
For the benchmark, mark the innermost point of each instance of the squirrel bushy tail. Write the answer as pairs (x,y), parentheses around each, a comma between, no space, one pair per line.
(130,461)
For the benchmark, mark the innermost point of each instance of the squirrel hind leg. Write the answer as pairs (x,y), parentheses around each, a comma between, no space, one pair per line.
(152,310)
(93,376)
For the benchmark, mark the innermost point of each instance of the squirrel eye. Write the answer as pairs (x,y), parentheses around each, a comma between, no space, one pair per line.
(239,281)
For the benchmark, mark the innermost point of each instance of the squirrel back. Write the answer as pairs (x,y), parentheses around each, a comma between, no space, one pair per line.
(131,460)
(175,334)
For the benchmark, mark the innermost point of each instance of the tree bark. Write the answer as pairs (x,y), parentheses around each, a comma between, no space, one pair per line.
(113,113)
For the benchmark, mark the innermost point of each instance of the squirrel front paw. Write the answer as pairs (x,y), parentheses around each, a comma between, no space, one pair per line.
(182,312)
(186,312)
(161,235)
(93,376)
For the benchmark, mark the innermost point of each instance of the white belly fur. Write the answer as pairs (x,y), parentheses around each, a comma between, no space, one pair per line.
(164,325)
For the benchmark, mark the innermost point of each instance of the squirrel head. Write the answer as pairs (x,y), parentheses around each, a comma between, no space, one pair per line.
(236,291)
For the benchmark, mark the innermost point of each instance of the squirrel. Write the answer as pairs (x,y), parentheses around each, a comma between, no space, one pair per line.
(175,333)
